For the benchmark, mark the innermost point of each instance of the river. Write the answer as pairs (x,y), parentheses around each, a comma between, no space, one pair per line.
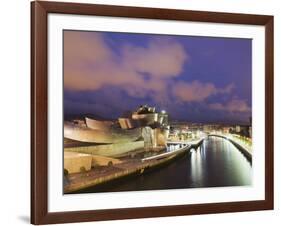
(216,163)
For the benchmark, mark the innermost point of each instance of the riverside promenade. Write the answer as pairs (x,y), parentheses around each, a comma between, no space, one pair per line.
(128,167)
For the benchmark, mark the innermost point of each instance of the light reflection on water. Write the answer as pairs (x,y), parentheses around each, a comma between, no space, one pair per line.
(216,163)
(196,167)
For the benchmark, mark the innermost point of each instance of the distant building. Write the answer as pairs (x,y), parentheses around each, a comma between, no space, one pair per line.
(237,129)
(226,129)
(242,130)
(207,128)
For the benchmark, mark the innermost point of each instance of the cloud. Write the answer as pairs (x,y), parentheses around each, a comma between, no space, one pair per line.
(159,58)
(234,105)
(84,48)
(228,89)
(197,91)
(141,71)
(194,91)
(90,64)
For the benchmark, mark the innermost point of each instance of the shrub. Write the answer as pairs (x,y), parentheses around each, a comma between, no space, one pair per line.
(110,163)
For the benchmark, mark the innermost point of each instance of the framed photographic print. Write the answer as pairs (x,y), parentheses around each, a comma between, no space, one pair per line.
(146,112)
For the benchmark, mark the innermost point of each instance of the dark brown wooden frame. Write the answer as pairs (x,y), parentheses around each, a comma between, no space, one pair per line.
(39,109)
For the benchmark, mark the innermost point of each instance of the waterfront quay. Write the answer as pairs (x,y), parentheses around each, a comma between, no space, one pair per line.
(129,165)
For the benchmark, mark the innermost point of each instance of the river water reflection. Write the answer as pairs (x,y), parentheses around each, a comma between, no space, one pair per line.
(216,163)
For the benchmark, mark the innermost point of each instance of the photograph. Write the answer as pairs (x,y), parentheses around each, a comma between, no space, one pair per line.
(148,111)
(171,110)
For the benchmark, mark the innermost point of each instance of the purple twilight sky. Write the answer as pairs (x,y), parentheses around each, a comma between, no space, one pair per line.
(196,79)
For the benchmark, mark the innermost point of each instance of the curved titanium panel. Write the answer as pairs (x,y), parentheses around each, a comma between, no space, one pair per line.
(113,135)
(98,125)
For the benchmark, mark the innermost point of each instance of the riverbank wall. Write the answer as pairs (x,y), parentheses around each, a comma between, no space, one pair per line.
(243,150)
